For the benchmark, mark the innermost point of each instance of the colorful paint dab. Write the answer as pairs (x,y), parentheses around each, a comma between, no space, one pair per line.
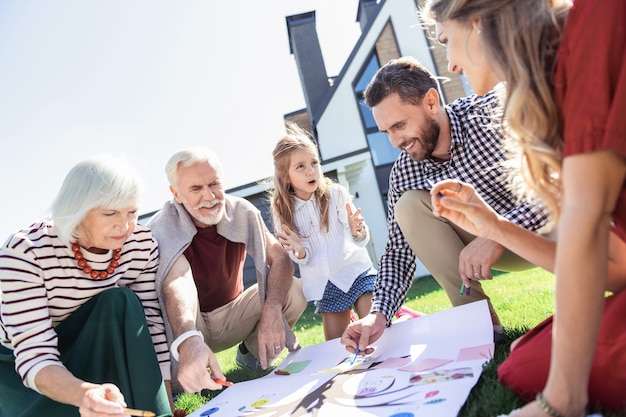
(435,401)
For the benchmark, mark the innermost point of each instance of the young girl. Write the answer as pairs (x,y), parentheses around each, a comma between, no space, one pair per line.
(316,222)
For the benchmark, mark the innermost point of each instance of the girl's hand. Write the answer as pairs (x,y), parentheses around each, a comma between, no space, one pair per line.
(290,241)
(356,221)
(459,203)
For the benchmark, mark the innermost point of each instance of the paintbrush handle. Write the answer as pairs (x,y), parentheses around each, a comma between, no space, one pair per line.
(140,413)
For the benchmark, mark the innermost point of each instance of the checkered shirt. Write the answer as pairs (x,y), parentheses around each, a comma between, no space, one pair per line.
(475,156)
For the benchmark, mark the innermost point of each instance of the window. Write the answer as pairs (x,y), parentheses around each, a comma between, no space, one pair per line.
(380,147)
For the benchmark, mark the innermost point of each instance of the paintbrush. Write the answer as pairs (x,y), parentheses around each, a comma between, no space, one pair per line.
(141,413)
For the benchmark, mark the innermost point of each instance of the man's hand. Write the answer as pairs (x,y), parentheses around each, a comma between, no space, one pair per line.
(272,325)
(364,332)
(197,367)
(271,334)
(477,258)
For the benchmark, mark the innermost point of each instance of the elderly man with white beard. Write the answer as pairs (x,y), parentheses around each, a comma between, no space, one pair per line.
(204,236)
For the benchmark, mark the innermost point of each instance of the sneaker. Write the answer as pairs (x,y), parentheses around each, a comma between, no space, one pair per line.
(247,360)
(353,316)
(408,312)
(498,333)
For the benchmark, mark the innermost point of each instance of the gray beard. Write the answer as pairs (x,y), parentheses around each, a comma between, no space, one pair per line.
(208,220)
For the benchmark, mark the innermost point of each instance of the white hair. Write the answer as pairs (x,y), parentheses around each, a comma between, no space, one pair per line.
(106,181)
(190,156)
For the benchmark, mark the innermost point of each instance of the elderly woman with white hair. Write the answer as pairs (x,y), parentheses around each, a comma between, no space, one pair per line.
(81,330)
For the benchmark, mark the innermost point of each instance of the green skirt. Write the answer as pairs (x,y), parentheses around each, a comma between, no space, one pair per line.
(105,340)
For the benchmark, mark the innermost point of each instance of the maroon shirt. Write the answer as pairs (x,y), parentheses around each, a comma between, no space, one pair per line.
(590,83)
(217,267)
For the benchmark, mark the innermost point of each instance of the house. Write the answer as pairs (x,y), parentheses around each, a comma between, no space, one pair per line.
(352,149)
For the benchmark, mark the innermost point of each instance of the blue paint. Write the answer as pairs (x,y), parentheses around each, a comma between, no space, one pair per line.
(435,401)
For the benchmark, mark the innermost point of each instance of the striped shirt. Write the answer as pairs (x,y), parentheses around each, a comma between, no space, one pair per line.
(42,285)
(475,156)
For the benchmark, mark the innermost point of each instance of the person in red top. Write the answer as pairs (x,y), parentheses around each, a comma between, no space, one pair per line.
(565,70)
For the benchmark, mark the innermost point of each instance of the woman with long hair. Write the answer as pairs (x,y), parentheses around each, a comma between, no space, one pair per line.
(565,73)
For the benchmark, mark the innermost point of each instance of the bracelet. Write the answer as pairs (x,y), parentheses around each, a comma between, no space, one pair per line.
(543,404)
(180,339)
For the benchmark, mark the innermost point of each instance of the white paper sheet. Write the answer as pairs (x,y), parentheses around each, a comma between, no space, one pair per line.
(449,347)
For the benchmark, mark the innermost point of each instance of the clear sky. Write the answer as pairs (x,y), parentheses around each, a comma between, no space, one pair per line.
(144,78)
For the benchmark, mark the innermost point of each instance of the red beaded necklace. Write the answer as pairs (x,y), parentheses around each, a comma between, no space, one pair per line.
(78,255)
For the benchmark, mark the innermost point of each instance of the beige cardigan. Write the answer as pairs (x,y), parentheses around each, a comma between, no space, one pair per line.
(174,229)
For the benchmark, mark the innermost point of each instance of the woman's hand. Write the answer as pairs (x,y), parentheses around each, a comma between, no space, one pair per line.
(101,400)
(290,241)
(92,400)
(459,203)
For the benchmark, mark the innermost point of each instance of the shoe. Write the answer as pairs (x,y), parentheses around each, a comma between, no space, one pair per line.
(353,316)
(498,333)
(247,360)
(410,313)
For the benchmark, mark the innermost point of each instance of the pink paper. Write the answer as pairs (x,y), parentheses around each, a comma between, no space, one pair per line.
(393,363)
(425,365)
(476,352)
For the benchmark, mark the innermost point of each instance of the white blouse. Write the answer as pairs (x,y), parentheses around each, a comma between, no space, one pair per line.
(331,255)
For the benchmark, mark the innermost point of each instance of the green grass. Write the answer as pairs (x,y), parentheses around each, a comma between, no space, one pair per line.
(522,300)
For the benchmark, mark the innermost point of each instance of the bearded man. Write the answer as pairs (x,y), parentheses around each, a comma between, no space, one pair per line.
(204,236)
(460,141)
